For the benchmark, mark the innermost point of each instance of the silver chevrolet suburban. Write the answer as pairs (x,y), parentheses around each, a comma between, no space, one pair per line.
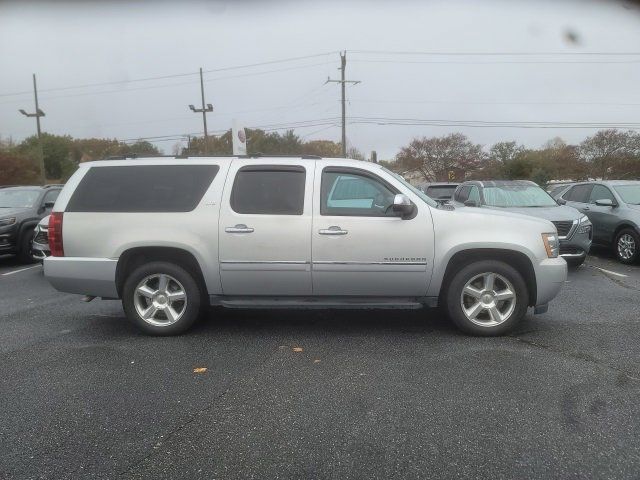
(170,236)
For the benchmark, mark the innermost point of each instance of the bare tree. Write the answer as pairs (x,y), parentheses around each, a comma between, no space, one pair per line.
(434,157)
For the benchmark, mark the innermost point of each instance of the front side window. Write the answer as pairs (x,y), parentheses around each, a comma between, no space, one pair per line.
(474,195)
(265,190)
(50,196)
(462,195)
(517,196)
(600,192)
(354,194)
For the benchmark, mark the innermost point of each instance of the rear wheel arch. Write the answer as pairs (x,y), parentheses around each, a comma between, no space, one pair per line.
(517,260)
(132,258)
(621,227)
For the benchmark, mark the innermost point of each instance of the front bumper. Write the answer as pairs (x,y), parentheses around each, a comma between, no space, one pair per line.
(578,245)
(86,276)
(8,237)
(551,274)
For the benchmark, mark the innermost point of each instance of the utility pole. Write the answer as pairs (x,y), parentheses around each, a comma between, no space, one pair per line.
(343,82)
(39,113)
(204,110)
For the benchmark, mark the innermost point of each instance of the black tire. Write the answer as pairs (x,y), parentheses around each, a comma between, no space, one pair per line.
(455,286)
(24,251)
(635,238)
(192,292)
(575,262)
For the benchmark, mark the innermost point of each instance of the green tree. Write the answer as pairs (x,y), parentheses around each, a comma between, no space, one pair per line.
(57,153)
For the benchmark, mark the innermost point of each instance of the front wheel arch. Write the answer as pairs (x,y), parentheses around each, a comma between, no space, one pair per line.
(517,260)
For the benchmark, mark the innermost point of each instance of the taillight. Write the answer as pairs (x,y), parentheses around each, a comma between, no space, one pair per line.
(55,234)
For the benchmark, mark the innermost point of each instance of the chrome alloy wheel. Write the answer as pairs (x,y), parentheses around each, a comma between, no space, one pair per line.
(626,246)
(160,300)
(488,299)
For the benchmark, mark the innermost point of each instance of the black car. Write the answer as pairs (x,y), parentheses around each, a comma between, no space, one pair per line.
(21,208)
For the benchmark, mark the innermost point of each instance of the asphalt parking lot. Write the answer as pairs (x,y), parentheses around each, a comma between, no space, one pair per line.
(371,394)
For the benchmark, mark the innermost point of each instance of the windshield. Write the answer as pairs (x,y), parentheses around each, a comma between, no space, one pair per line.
(630,193)
(18,198)
(517,196)
(423,196)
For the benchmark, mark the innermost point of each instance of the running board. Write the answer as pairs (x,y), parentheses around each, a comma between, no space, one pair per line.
(323,302)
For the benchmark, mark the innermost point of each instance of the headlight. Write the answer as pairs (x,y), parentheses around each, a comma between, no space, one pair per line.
(7,221)
(584,225)
(551,244)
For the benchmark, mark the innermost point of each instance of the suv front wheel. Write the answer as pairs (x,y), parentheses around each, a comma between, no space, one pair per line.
(161,298)
(487,298)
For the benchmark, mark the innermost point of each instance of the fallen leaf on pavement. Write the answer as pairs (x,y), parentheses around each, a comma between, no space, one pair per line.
(297,349)
(199,369)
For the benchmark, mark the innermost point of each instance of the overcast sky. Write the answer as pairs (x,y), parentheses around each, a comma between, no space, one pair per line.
(79,43)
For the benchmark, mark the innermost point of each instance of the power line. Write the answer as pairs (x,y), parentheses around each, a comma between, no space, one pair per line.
(176,75)
(505,62)
(513,54)
(459,102)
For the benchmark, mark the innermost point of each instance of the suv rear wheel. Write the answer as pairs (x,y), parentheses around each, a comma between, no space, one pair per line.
(161,298)
(487,298)
(627,246)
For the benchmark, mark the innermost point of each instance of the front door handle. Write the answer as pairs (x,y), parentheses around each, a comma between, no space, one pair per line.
(586,208)
(240,228)
(333,230)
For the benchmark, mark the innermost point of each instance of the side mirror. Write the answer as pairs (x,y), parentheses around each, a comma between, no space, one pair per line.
(49,205)
(561,201)
(470,203)
(605,202)
(402,206)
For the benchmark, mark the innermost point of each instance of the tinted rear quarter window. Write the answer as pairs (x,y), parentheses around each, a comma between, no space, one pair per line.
(142,188)
(463,194)
(277,190)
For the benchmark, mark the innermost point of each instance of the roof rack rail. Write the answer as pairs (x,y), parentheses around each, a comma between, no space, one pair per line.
(182,156)
(11,186)
(50,185)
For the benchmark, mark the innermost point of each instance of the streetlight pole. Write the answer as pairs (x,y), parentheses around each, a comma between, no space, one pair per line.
(204,110)
(38,113)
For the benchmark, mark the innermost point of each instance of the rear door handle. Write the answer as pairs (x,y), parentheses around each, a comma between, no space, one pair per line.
(333,230)
(240,228)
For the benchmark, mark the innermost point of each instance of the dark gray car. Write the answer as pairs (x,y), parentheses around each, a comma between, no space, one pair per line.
(525,197)
(613,207)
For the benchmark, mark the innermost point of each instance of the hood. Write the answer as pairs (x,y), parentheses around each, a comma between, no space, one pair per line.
(44,222)
(13,212)
(501,213)
(554,214)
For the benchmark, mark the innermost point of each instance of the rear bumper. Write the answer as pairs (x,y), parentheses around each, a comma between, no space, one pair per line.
(551,274)
(85,276)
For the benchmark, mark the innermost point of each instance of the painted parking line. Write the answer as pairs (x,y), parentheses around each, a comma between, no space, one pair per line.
(610,272)
(20,270)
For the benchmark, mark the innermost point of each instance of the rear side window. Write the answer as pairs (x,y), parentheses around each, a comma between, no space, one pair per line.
(265,190)
(441,192)
(142,188)
(579,193)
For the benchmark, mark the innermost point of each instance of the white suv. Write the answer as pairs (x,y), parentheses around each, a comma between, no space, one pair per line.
(169,236)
